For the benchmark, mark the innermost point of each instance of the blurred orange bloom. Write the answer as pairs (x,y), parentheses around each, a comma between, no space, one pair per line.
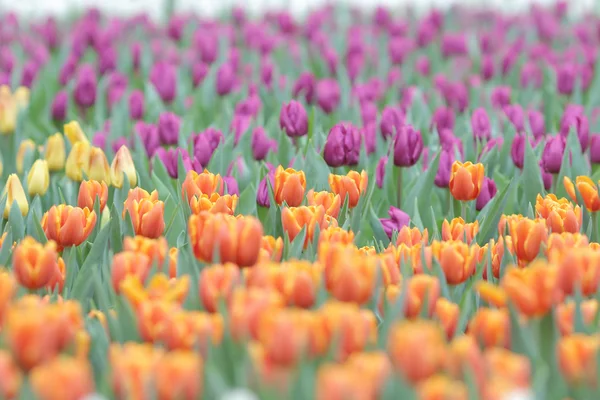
(421,290)
(289,186)
(129,263)
(271,249)
(412,236)
(441,387)
(132,369)
(57,281)
(146,212)
(497,253)
(214,203)
(237,239)
(588,191)
(35,264)
(8,288)
(352,185)
(157,250)
(216,284)
(89,191)
(340,382)
(160,287)
(581,269)
(577,355)
(559,244)
(491,327)
(246,307)
(67,225)
(457,229)
(191,330)
(196,184)
(337,235)
(465,356)
(176,376)
(447,313)
(296,218)
(457,259)
(527,238)
(560,215)
(565,315)
(10,384)
(504,364)
(330,201)
(466,180)
(506,221)
(63,378)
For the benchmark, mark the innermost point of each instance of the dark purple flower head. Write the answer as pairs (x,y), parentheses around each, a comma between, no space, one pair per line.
(443,118)
(261,144)
(442,177)
(487,193)
(59,106)
(580,124)
(262,194)
(250,106)
(368,113)
(456,96)
(136,104)
(546,177)
(392,119)
(397,220)
(231,185)
(117,86)
(487,68)
(85,87)
(67,71)
(266,73)
(553,154)
(148,134)
(305,86)
(30,71)
(380,171)
(399,48)
(199,72)
(170,159)
(516,116)
(423,66)
(595,148)
(168,128)
(343,145)
(566,75)
(99,139)
(328,94)
(293,119)
(501,97)
(107,60)
(226,79)
(163,77)
(369,135)
(517,151)
(207,45)
(536,124)
(480,124)
(408,146)
(239,125)
(454,44)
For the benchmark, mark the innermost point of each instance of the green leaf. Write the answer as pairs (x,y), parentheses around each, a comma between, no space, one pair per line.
(532,176)
(16,222)
(489,217)
(247,201)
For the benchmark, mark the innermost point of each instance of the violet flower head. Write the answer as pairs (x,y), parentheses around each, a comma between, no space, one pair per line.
(368,113)
(343,145)
(30,71)
(225,81)
(239,125)
(99,139)
(566,76)
(250,106)
(480,124)
(231,185)
(170,159)
(595,148)
(262,194)
(369,135)
(163,77)
(531,75)
(487,193)
(136,104)
(408,146)
(516,116)
(399,48)
(118,143)
(168,128)
(501,96)
(517,151)
(266,73)
(207,44)
(536,124)
(148,134)
(67,71)
(380,171)
(487,68)
(59,106)
(205,144)
(398,219)
(580,124)
(293,119)
(199,72)
(261,144)
(454,44)
(305,86)
(328,95)
(553,153)
(392,119)
(423,66)
(117,86)
(442,177)
(443,118)
(547,177)
(85,87)
(450,142)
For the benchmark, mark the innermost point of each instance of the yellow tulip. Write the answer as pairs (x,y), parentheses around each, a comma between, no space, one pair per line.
(55,152)
(78,161)
(123,164)
(74,132)
(10,105)
(38,178)
(98,170)
(25,147)
(14,192)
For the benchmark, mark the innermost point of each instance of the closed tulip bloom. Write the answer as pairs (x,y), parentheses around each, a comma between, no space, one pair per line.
(261,144)
(74,133)
(293,119)
(589,193)
(305,85)
(398,219)
(516,116)
(466,180)
(146,212)
(26,147)
(163,77)
(196,184)
(67,225)
(457,259)
(14,193)
(408,146)
(12,376)
(85,87)
(380,171)
(63,378)
(392,119)
(443,118)
(99,169)
(500,96)
(536,123)
(168,128)
(533,290)
(527,238)
(328,95)
(580,124)
(595,148)
(289,186)
(579,269)
(148,134)
(442,177)
(491,327)
(517,151)
(170,159)
(342,146)
(577,358)
(560,215)
(123,165)
(457,229)
(330,201)
(89,191)
(129,263)
(59,106)
(442,387)
(352,185)
(136,104)
(38,179)
(566,75)
(78,161)
(55,153)
(552,155)
(294,219)
(34,264)
(487,193)
(217,283)
(226,79)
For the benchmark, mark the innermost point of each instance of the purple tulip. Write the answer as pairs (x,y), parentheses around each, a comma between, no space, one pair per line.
(579,122)
(170,159)
(517,151)
(442,177)
(239,125)
(531,75)
(205,144)
(501,96)
(343,145)
(99,139)
(423,66)
(566,75)
(30,71)
(454,44)
(207,44)
(266,73)
(536,124)
(225,79)
(595,148)
(328,95)
(516,116)
(450,142)
(117,86)
(397,220)
(553,154)
(168,128)
(399,48)
(392,119)
(443,118)
(408,146)
(148,134)
(107,60)
(487,68)
(293,119)
(488,191)
(163,77)
(118,143)
(250,106)
(59,106)
(231,185)
(67,71)
(480,124)
(456,95)
(305,85)
(261,144)
(85,87)
(136,104)
(199,72)
(380,171)
(368,113)
(546,177)
(369,135)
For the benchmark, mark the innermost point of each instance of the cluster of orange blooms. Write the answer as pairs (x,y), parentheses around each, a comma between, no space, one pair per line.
(373,314)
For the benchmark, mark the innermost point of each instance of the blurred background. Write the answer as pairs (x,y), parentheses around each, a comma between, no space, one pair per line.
(212,7)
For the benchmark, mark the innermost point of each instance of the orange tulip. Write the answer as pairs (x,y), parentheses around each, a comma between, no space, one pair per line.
(465,356)
(153,319)
(246,308)
(160,288)
(375,368)
(89,191)
(296,218)
(238,239)
(352,185)
(289,186)
(10,384)
(146,212)
(191,330)
(409,255)
(155,249)
(570,188)
(129,263)
(196,184)
(421,290)
(413,360)
(67,225)
(560,215)
(457,259)
(330,201)
(509,366)
(216,284)
(560,244)
(506,221)
(534,290)
(588,191)
(457,229)
(35,264)
(8,288)
(447,313)
(337,235)
(176,376)
(132,369)
(214,203)
(271,249)
(466,180)
(412,236)
(491,327)
(577,358)
(527,238)
(63,378)
(57,281)
(579,269)
(340,382)
(441,387)
(565,315)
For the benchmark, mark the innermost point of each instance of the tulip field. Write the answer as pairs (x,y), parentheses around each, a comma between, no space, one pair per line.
(345,205)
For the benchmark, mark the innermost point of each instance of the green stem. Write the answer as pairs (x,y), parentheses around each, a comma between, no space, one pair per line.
(463,210)
(399,188)
(594,227)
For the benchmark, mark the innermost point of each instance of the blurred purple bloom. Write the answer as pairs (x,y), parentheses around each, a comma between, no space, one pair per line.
(369,135)
(546,177)
(136,105)
(163,77)
(397,220)
(168,128)
(59,106)
(380,171)
(225,79)
(595,148)
(328,95)
(566,76)
(368,113)
(293,119)
(487,193)
(199,72)
(170,159)
(408,146)
(262,194)
(343,145)
(30,71)
(305,85)
(450,142)
(261,144)
(392,119)
(422,66)
(85,87)
(443,118)
(399,48)
(250,106)
(442,177)
(231,185)
(553,154)
(99,139)
(454,44)
(207,44)
(516,116)
(536,124)
(487,68)
(580,124)
(205,144)
(148,134)
(118,143)
(239,125)
(517,151)
(480,124)
(501,96)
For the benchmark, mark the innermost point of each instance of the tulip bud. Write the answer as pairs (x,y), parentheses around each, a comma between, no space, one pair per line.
(380,171)
(580,124)
(34,264)
(74,133)
(566,76)
(305,84)
(225,79)
(353,185)
(59,106)
(392,119)
(123,164)
(442,177)
(146,212)
(89,191)
(67,225)
(262,194)
(55,153)
(293,119)
(480,124)
(289,186)
(466,180)
(14,193)
(26,147)
(85,87)
(517,151)
(342,146)
(328,95)
(488,191)
(199,72)
(99,169)
(595,148)
(168,128)
(38,179)
(170,159)
(408,146)
(78,161)
(501,96)
(148,134)
(536,123)
(261,144)
(397,220)
(136,105)
(516,116)
(163,77)
(443,118)
(552,155)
